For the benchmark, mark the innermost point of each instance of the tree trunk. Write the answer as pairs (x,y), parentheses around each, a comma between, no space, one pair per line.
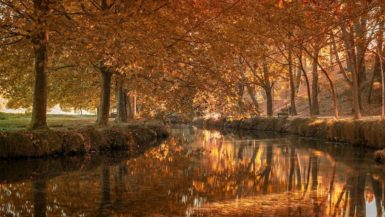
(240,97)
(298,78)
(121,109)
(269,101)
(250,92)
(332,88)
(333,91)
(253,98)
(268,87)
(379,52)
(360,30)
(39,109)
(293,109)
(376,76)
(134,110)
(104,106)
(40,43)
(307,86)
(132,107)
(314,96)
(348,40)
(356,96)
(339,63)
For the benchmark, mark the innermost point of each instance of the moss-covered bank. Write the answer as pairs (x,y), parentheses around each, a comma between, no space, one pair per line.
(31,144)
(369,133)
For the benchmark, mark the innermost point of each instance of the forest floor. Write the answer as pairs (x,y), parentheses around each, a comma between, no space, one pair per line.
(9,122)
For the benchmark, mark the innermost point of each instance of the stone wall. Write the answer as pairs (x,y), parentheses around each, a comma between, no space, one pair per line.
(369,133)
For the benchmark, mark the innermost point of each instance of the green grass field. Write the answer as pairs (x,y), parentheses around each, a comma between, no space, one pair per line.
(10,121)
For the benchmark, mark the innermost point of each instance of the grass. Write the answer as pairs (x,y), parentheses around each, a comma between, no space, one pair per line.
(10,121)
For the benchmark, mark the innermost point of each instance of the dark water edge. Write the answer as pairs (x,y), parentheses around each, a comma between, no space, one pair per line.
(200,173)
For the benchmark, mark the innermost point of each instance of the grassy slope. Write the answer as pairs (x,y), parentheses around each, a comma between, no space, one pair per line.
(344,97)
(21,121)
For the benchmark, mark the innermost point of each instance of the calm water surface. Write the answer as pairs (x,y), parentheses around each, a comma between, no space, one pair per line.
(200,173)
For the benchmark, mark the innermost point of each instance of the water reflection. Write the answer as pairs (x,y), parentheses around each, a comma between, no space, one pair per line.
(201,173)
(39,197)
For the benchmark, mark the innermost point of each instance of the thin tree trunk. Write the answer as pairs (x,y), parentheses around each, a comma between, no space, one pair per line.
(359,26)
(250,92)
(356,96)
(307,86)
(314,97)
(379,52)
(349,43)
(240,97)
(299,75)
(132,107)
(338,60)
(331,54)
(293,109)
(268,87)
(134,110)
(334,94)
(128,106)
(269,101)
(104,106)
(249,88)
(377,66)
(375,75)
(121,109)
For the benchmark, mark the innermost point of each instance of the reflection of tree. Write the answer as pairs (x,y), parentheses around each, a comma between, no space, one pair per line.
(240,151)
(377,194)
(120,184)
(314,182)
(356,186)
(314,172)
(242,175)
(293,165)
(298,171)
(179,176)
(267,172)
(105,201)
(39,197)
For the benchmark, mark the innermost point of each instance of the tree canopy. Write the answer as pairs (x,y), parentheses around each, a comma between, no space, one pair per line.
(195,57)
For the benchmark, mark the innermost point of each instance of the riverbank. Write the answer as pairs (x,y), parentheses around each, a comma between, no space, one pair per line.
(16,122)
(369,133)
(34,144)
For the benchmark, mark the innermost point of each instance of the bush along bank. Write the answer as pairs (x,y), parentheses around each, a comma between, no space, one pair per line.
(368,133)
(33,144)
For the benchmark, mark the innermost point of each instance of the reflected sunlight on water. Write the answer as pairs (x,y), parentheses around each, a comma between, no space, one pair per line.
(203,173)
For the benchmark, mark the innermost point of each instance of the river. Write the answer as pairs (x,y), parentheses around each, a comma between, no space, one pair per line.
(201,173)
